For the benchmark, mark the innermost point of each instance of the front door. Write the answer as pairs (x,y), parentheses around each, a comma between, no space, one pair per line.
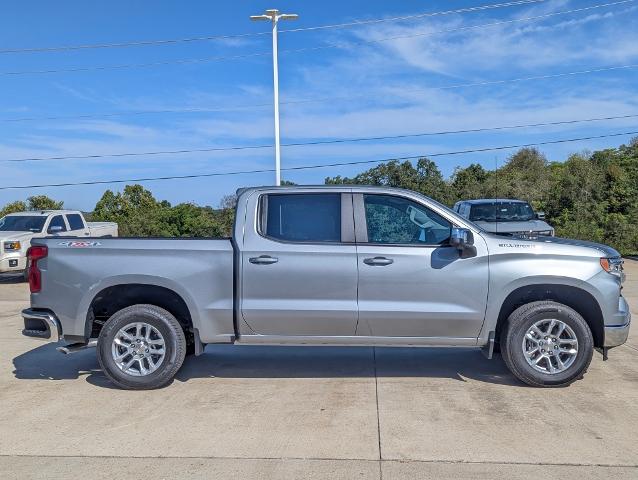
(411,282)
(299,265)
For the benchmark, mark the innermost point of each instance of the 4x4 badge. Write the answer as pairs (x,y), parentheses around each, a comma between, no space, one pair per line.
(79,244)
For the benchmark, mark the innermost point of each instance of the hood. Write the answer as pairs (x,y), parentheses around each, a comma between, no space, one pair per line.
(547,245)
(605,249)
(511,227)
(15,236)
(23,237)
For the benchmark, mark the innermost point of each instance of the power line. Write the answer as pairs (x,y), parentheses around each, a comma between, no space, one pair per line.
(138,65)
(311,167)
(134,113)
(305,49)
(143,43)
(475,84)
(317,99)
(323,142)
(358,23)
(470,27)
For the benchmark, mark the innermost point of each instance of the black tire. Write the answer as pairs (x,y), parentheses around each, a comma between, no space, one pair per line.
(518,324)
(175,347)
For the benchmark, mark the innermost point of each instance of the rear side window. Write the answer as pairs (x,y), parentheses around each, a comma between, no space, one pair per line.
(57,221)
(302,217)
(75,221)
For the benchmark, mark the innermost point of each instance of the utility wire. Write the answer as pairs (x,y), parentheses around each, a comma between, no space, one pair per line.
(311,167)
(306,49)
(472,84)
(470,27)
(358,23)
(316,99)
(322,142)
(144,43)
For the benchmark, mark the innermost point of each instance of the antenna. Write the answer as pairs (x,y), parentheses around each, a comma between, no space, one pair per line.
(496,191)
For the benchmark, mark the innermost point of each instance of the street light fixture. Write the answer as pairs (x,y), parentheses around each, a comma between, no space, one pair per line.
(274,16)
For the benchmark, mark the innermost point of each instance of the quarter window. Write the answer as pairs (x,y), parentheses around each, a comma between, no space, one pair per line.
(397,220)
(302,217)
(75,221)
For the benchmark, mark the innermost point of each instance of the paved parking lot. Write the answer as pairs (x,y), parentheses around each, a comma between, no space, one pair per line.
(351,413)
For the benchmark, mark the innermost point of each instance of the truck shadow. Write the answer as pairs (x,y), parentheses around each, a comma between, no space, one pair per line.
(227,361)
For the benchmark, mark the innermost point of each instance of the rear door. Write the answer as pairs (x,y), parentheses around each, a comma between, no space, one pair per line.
(411,282)
(76,224)
(299,265)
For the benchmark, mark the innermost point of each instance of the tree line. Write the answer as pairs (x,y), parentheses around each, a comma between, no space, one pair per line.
(589,196)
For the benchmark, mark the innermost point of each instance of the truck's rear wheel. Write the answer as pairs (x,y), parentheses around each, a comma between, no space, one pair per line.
(141,347)
(547,344)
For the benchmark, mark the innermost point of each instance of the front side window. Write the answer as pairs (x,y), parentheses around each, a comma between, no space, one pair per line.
(75,221)
(397,220)
(302,217)
(57,221)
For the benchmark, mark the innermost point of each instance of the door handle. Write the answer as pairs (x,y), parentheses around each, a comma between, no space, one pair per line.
(378,261)
(263,260)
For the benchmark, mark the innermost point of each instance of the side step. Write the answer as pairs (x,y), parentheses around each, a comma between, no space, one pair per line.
(76,347)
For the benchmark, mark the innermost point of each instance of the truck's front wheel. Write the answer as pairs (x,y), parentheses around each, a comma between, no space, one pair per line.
(547,344)
(141,347)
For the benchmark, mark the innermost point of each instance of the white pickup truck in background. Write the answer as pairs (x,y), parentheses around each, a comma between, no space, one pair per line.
(17,230)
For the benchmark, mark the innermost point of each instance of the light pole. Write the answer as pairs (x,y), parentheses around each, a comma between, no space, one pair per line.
(274,16)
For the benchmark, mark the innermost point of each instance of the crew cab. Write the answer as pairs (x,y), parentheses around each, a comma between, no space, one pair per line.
(330,265)
(18,229)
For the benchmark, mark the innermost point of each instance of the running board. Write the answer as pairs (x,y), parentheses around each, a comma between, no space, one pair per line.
(76,347)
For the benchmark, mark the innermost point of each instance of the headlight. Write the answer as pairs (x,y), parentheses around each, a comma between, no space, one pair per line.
(545,233)
(11,246)
(613,266)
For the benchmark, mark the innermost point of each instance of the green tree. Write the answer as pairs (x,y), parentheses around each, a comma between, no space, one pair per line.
(425,177)
(42,202)
(471,182)
(13,207)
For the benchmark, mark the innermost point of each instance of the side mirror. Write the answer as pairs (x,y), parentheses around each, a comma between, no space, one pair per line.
(55,229)
(461,238)
(540,215)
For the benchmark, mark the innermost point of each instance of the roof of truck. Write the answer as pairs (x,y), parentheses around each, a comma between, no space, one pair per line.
(338,186)
(43,213)
(492,200)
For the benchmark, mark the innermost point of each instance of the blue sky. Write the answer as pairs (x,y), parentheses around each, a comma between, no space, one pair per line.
(371,89)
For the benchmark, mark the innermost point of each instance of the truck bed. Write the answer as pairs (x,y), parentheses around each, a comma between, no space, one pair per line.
(199,270)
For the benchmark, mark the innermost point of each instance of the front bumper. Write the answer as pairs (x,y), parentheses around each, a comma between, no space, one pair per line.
(41,325)
(13,262)
(617,333)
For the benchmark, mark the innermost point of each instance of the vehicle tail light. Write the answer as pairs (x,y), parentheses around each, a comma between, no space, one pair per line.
(34,254)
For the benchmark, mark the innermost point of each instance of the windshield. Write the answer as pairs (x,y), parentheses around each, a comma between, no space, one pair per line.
(22,223)
(501,212)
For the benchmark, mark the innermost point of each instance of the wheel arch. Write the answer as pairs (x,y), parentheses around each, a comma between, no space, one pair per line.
(577,298)
(113,298)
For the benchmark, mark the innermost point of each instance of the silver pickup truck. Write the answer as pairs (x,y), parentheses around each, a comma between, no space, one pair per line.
(330,265)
